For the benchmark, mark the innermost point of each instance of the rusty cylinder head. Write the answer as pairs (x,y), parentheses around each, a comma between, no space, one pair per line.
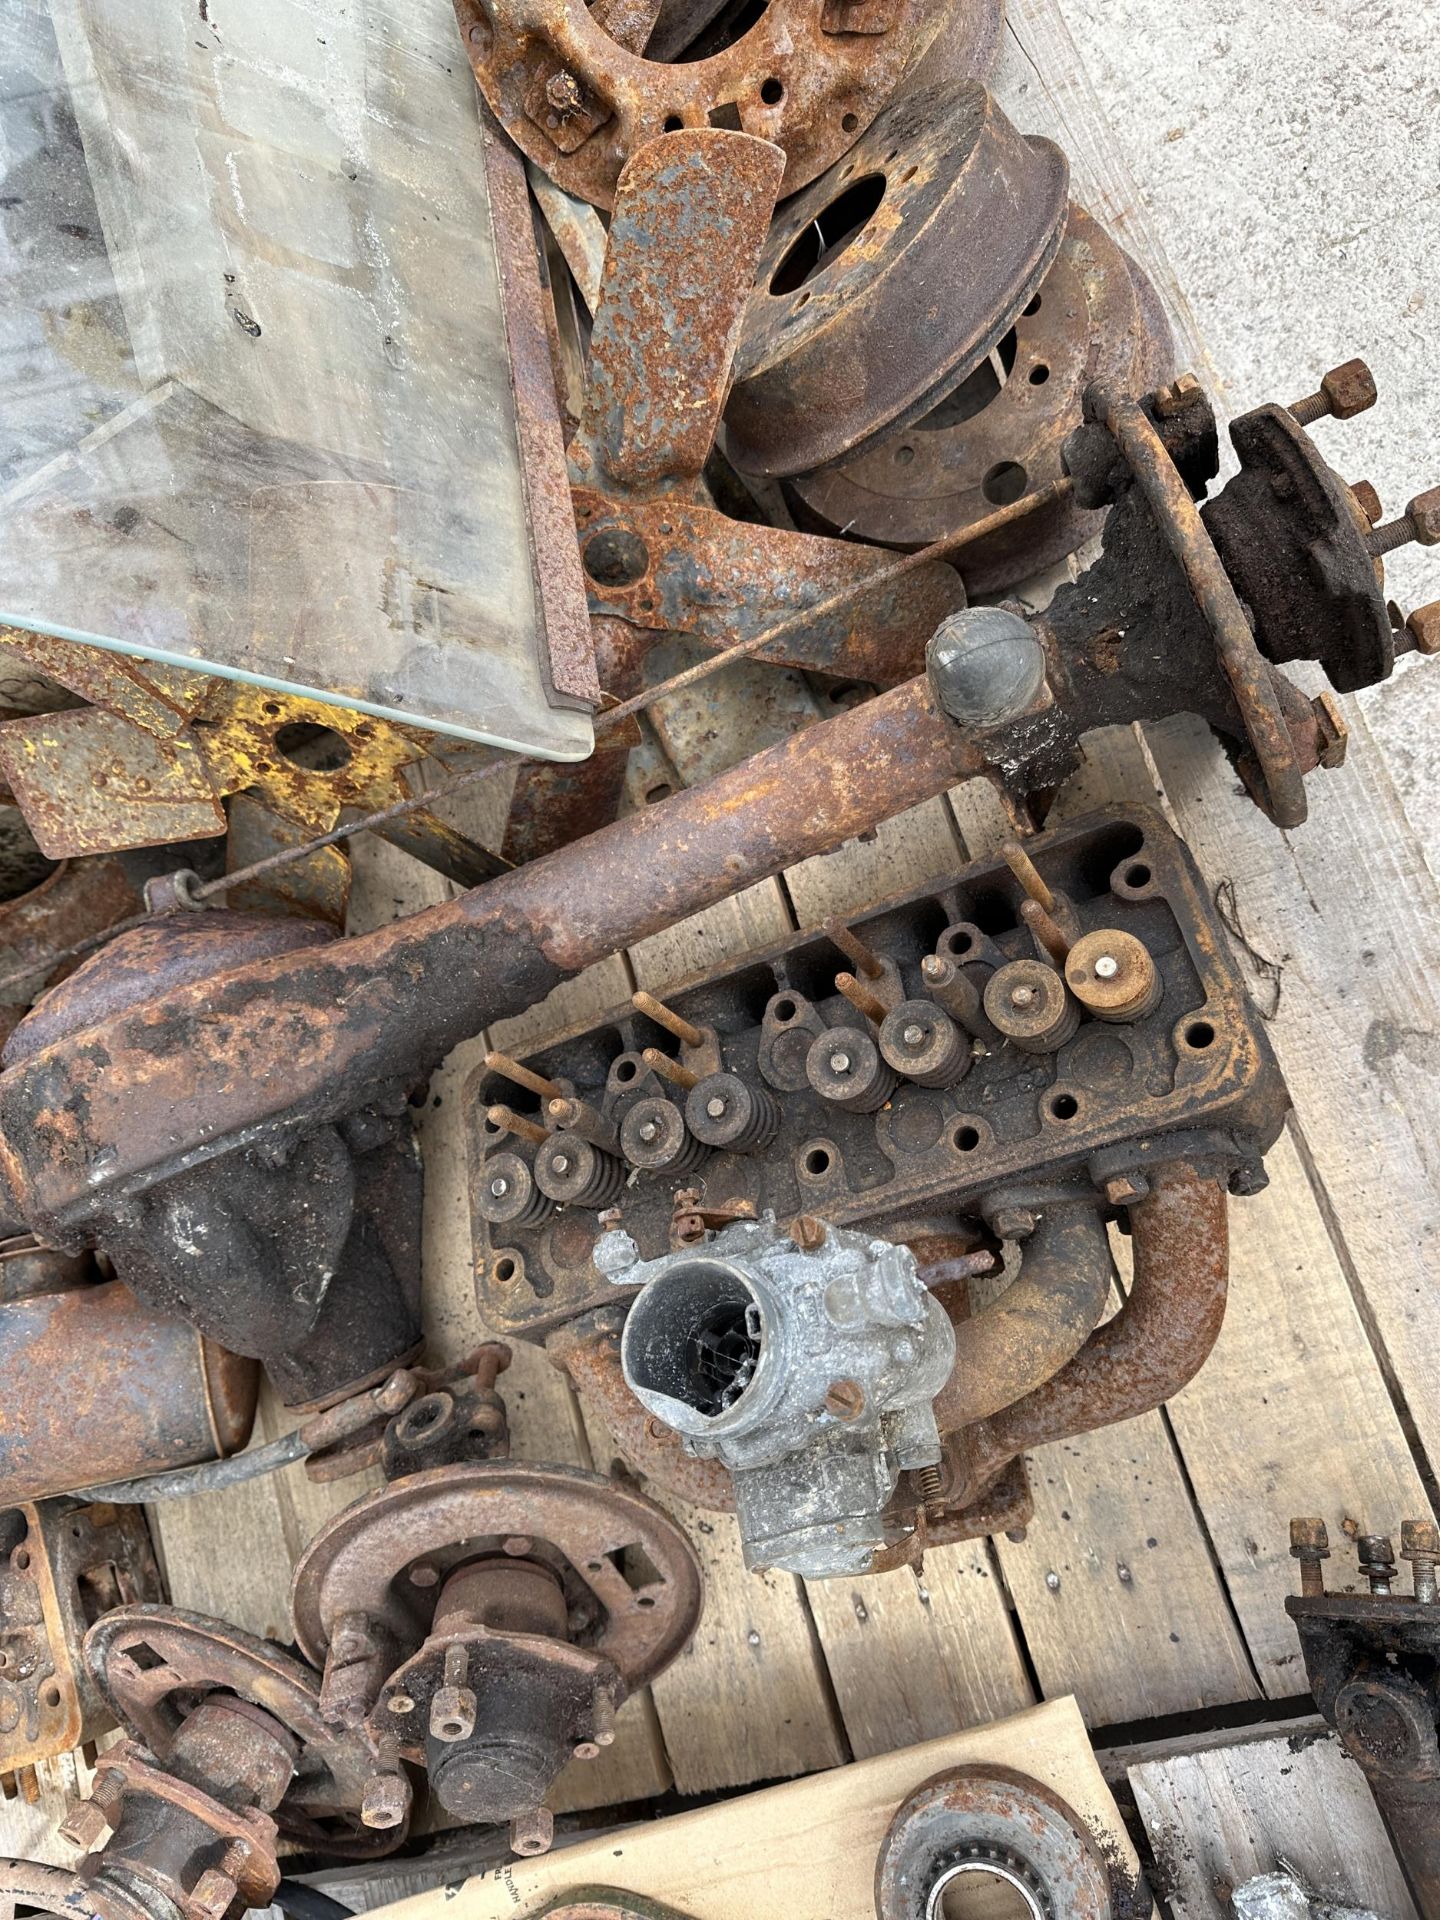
(925,1045)
(654,1135)
(845,1066)
(576,1173)
(727,1112)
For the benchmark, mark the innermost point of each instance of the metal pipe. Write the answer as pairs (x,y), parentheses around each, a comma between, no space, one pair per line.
(1022,1339)
(1152,1347)
(218,1061)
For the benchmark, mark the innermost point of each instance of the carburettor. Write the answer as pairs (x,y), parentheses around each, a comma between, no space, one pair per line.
(808,1364)
(744,1245)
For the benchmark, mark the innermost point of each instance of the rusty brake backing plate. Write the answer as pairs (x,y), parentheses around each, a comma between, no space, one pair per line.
(155,1664)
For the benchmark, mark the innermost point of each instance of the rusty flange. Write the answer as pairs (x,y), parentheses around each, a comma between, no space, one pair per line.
(154,1663)
(861,321)
(488,1621)
(361,1563)
(571,87)
(996,1822)
(997,437)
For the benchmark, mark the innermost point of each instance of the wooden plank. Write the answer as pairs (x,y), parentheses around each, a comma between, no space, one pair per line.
(1296,1800)
(916,1656)
(806,1850)
(908,851)
(1338,926)
(1117,1595)
(1290,1414)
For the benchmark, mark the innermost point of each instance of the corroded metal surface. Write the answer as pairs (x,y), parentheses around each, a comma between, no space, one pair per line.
(1154,1345)
(59,1567)
(152,1663)
(866,327)
(488,1621)
(1371,1662)
(805,76)
(1000,434)
(690,219)
(355,1563)
(1013,1120)
(991,1821)
(128,1390)
(78,899)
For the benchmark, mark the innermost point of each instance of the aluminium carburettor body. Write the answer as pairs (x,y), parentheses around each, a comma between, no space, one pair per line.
(745,1245)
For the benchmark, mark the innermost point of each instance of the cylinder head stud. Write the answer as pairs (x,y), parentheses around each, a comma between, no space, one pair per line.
(1027,1002)
(1112,975)
(1377,1562)
(731,1114)
(1420,1545)
(845,1066)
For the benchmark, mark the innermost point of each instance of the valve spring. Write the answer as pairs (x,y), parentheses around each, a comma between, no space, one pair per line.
(576,1173)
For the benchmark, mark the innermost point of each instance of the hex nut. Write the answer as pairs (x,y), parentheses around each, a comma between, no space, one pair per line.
(1181,393)
(1424,514)
(85,1825)
(212,1894)
(1368,501)
(1423,626)
(1332,736)
(386,1800)
(1124,1189)
(532,1832)
(1349,389)
(1418,1536)
(1013,1223)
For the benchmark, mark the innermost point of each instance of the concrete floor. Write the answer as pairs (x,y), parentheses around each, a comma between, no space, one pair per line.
(1286,155)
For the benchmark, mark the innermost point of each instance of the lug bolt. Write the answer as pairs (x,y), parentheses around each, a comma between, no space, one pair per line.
(1420,522)
(1310,1545)
(1420,1545)
(1344,392)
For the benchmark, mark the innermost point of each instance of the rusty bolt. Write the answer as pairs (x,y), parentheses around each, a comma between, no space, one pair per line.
(1014,1223)
(85,1825)
(1423,627)
(1124,1189)
(1377,1562)
(211,1896)
(1420,522)
(845,1399)
(562,92)
(1180,394)
(807,1232)
(1420,1545)
(1367,500)
(1344,392)
(532,1832)
(1332,736)
(386,1800)
(1310,1544)
(586,1750)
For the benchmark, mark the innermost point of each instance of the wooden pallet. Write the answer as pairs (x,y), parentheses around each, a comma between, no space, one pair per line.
(1153,1578)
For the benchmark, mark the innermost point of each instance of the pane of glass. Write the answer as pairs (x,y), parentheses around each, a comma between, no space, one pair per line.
(256,410)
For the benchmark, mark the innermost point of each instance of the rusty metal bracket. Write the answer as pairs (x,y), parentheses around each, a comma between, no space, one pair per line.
(61,1567)
(1372,1659)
